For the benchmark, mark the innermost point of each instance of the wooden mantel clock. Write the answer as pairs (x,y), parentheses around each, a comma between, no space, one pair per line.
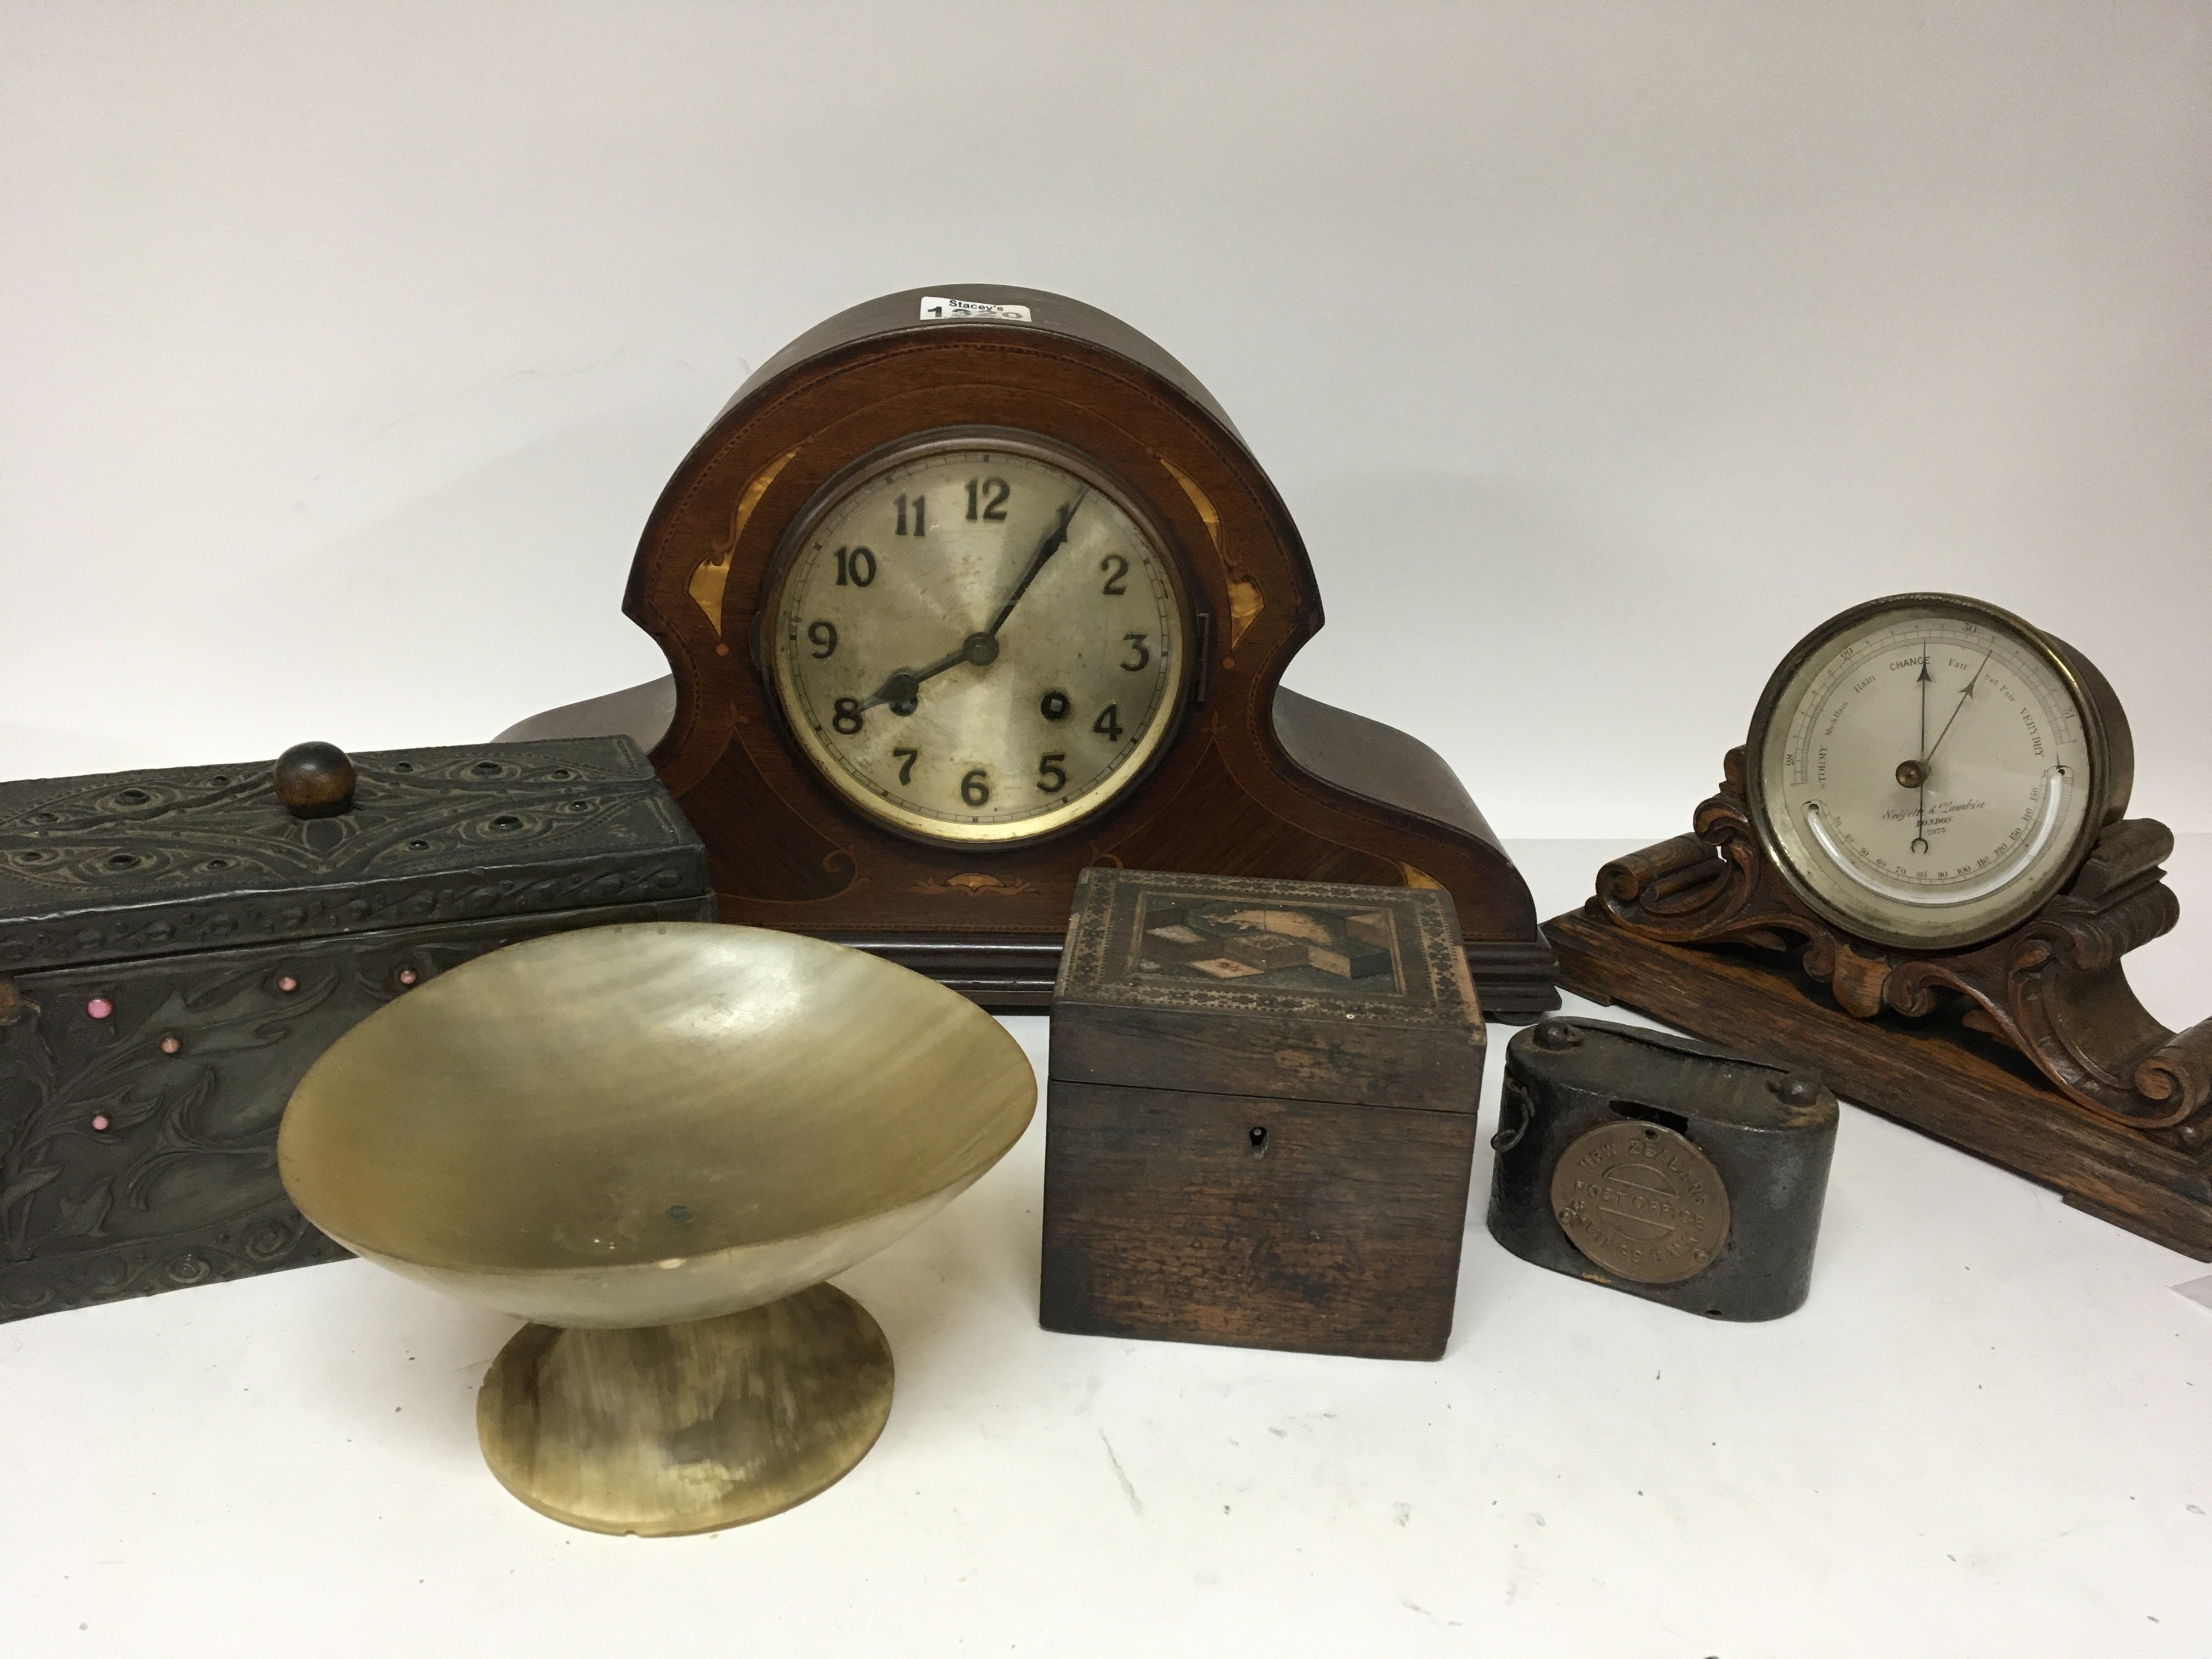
(1918,877)
(971,588)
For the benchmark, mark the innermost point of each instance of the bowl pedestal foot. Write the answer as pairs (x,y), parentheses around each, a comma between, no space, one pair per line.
(669,1428)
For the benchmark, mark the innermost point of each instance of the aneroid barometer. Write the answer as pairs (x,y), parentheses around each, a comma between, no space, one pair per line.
(1917,880)
(971,588)
(1928,770)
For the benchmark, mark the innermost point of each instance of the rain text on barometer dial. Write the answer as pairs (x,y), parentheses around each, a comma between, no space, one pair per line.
(978,642)
(1926,773)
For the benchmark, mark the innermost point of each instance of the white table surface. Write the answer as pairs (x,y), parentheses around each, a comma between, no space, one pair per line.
(1983,1435)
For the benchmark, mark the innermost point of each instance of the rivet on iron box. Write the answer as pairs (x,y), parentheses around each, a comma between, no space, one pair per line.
(1261,1114)
(177,946)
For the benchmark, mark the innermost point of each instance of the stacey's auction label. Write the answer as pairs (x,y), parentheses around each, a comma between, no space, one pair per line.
(935,307)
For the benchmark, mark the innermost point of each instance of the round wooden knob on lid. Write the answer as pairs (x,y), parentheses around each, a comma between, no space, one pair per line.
(314,780)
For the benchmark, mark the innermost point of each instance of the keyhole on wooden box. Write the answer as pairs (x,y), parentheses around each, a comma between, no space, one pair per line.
(1259,1139)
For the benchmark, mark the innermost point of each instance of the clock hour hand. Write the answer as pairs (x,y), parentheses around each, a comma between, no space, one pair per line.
(900,686)
(1046,548)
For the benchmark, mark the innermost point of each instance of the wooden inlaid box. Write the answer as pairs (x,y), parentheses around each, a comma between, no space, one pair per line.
(1261,1114)
(177,948)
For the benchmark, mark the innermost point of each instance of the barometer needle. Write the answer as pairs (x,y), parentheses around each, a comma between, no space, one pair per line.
(1963,695)
(902,685)
(1913,774)
(1920,824)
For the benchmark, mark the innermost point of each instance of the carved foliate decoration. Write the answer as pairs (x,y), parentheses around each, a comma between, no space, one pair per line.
(201,858)
(176,949)
(2053,988)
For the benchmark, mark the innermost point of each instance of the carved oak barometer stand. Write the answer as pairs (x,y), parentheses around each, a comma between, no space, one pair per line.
(1928,813)
(968,591)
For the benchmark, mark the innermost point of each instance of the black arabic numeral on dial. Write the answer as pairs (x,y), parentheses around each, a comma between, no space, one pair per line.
(976,787)
(1052,776)
(845,715)
(906,771)
(1108,723)
(858,564)
(995,492)
(921,518)
(823,634)
(1138,649)
(1119,567)
(1053,705)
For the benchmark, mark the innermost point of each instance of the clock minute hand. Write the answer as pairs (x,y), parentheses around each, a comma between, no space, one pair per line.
(1046,548)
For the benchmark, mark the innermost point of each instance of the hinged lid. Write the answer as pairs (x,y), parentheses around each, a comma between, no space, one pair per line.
(107,868)
(1629,1065)
(1290,990)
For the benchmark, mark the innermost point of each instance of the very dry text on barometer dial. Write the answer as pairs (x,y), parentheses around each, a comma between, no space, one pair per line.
(976,640)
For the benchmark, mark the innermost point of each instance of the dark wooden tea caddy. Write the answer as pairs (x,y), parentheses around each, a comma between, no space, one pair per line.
(1261,1114)
(177,946)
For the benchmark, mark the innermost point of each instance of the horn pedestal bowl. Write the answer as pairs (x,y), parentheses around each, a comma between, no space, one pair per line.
(655,1142)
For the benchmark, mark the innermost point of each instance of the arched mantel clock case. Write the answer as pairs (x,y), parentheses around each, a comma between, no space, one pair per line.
(970,588)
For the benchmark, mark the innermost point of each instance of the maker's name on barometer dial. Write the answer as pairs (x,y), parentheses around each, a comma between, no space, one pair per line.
(976,637)
(1927,770)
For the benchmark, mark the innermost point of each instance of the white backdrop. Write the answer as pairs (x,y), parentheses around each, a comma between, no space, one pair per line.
(1600,350)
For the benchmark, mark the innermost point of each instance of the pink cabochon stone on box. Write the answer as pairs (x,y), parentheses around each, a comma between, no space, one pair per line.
(100,1121)
(407,976)
(288,984)
(99,1007)
(170,1045)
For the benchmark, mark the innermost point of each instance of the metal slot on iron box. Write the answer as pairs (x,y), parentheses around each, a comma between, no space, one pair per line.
(1679,1171)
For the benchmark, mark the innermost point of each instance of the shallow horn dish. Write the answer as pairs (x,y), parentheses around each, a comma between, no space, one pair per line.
(655,1141)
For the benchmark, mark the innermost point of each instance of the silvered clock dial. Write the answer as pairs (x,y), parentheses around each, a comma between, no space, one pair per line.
(976,636)
(1927,770)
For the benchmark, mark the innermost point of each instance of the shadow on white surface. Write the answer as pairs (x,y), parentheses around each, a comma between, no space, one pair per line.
(1970,1440)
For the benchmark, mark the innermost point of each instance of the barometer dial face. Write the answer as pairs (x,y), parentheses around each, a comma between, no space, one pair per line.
(1928,770)
(977,637)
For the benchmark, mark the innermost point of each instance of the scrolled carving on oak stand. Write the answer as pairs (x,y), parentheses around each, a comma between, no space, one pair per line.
(2053,988)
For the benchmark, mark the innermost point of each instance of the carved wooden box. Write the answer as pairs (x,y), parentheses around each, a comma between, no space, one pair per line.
(1261,1114)
(176,947)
